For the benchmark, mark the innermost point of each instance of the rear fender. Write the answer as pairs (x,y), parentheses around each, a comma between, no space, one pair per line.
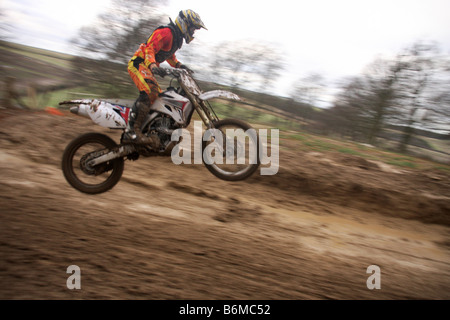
(101,112)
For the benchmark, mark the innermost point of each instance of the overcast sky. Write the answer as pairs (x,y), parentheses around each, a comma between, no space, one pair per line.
(337,38)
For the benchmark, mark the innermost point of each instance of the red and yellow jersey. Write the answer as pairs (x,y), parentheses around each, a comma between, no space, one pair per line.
(159,48)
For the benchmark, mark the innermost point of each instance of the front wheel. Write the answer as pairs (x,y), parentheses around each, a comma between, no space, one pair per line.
(230,150)
(86,178)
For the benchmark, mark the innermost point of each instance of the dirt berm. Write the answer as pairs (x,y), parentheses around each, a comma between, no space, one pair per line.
(177,232)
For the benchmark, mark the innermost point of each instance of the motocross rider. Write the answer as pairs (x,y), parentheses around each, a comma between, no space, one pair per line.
(144,65)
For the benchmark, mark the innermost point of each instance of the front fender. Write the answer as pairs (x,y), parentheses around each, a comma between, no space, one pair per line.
(218,94)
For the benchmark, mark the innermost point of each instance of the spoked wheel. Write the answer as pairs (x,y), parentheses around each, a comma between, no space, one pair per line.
(230,151)
(86,178)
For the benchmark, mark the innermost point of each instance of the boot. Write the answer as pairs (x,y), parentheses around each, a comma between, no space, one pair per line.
(135,135)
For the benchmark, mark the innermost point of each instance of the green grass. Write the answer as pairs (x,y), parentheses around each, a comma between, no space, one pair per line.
(350,151)
(442,168)
(407,164)
(53,98)
(294,136)
(314,143)
(252,115)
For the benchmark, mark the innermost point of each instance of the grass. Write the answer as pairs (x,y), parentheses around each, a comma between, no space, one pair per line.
(447,169)
(252,115)
(407,164)
(53,98)
(314,143)
(350,151)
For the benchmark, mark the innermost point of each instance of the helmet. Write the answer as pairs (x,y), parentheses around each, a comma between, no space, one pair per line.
(188,21)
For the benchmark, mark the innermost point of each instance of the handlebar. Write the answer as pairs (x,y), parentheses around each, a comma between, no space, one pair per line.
(176,72)
(185,79)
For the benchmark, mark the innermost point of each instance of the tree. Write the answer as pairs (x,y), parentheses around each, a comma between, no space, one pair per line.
(428,82)
(438,107)
(380,95)
(117,33)
(375,96)
(348,115)
(108,44)
(418,69)
(246,63)
(306,94)
(268,63)
(309,89)
(408,90)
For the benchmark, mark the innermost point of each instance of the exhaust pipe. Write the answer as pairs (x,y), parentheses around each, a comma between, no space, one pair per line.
(81,109)
(74,110)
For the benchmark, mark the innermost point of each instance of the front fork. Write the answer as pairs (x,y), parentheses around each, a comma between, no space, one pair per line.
(201,108)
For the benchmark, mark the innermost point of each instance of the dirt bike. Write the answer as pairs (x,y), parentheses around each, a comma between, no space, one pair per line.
(93,163)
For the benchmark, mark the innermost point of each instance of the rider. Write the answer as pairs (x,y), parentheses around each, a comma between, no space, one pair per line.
(144,65)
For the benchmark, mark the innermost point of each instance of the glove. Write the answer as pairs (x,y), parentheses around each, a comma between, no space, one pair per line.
(182,66)
(158,71)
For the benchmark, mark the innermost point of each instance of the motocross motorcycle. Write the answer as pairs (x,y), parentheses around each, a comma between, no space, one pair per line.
(93,162)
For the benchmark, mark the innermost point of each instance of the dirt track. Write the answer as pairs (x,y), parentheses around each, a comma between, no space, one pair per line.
(178,232)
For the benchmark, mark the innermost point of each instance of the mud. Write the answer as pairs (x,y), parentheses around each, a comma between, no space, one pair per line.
(177,232)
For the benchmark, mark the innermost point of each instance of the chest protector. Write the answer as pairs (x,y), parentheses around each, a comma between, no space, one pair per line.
(162,56)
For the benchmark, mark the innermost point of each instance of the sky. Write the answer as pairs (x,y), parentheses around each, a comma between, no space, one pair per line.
(336,38)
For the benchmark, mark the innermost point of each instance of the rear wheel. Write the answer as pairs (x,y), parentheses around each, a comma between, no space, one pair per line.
(82,176)
(230,151)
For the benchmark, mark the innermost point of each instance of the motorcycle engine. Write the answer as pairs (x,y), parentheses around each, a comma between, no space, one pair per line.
(163,127)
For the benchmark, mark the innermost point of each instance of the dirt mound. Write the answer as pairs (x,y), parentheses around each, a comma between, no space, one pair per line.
(177,232)
(365,185)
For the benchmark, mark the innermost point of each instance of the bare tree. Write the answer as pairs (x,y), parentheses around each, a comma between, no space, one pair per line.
(246,63)
(268,63)
(309,89)
(404,91)
(419,66)
(438,108)
(117,33)
(433,104)
(349,116)
(381,94)
(371,96)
